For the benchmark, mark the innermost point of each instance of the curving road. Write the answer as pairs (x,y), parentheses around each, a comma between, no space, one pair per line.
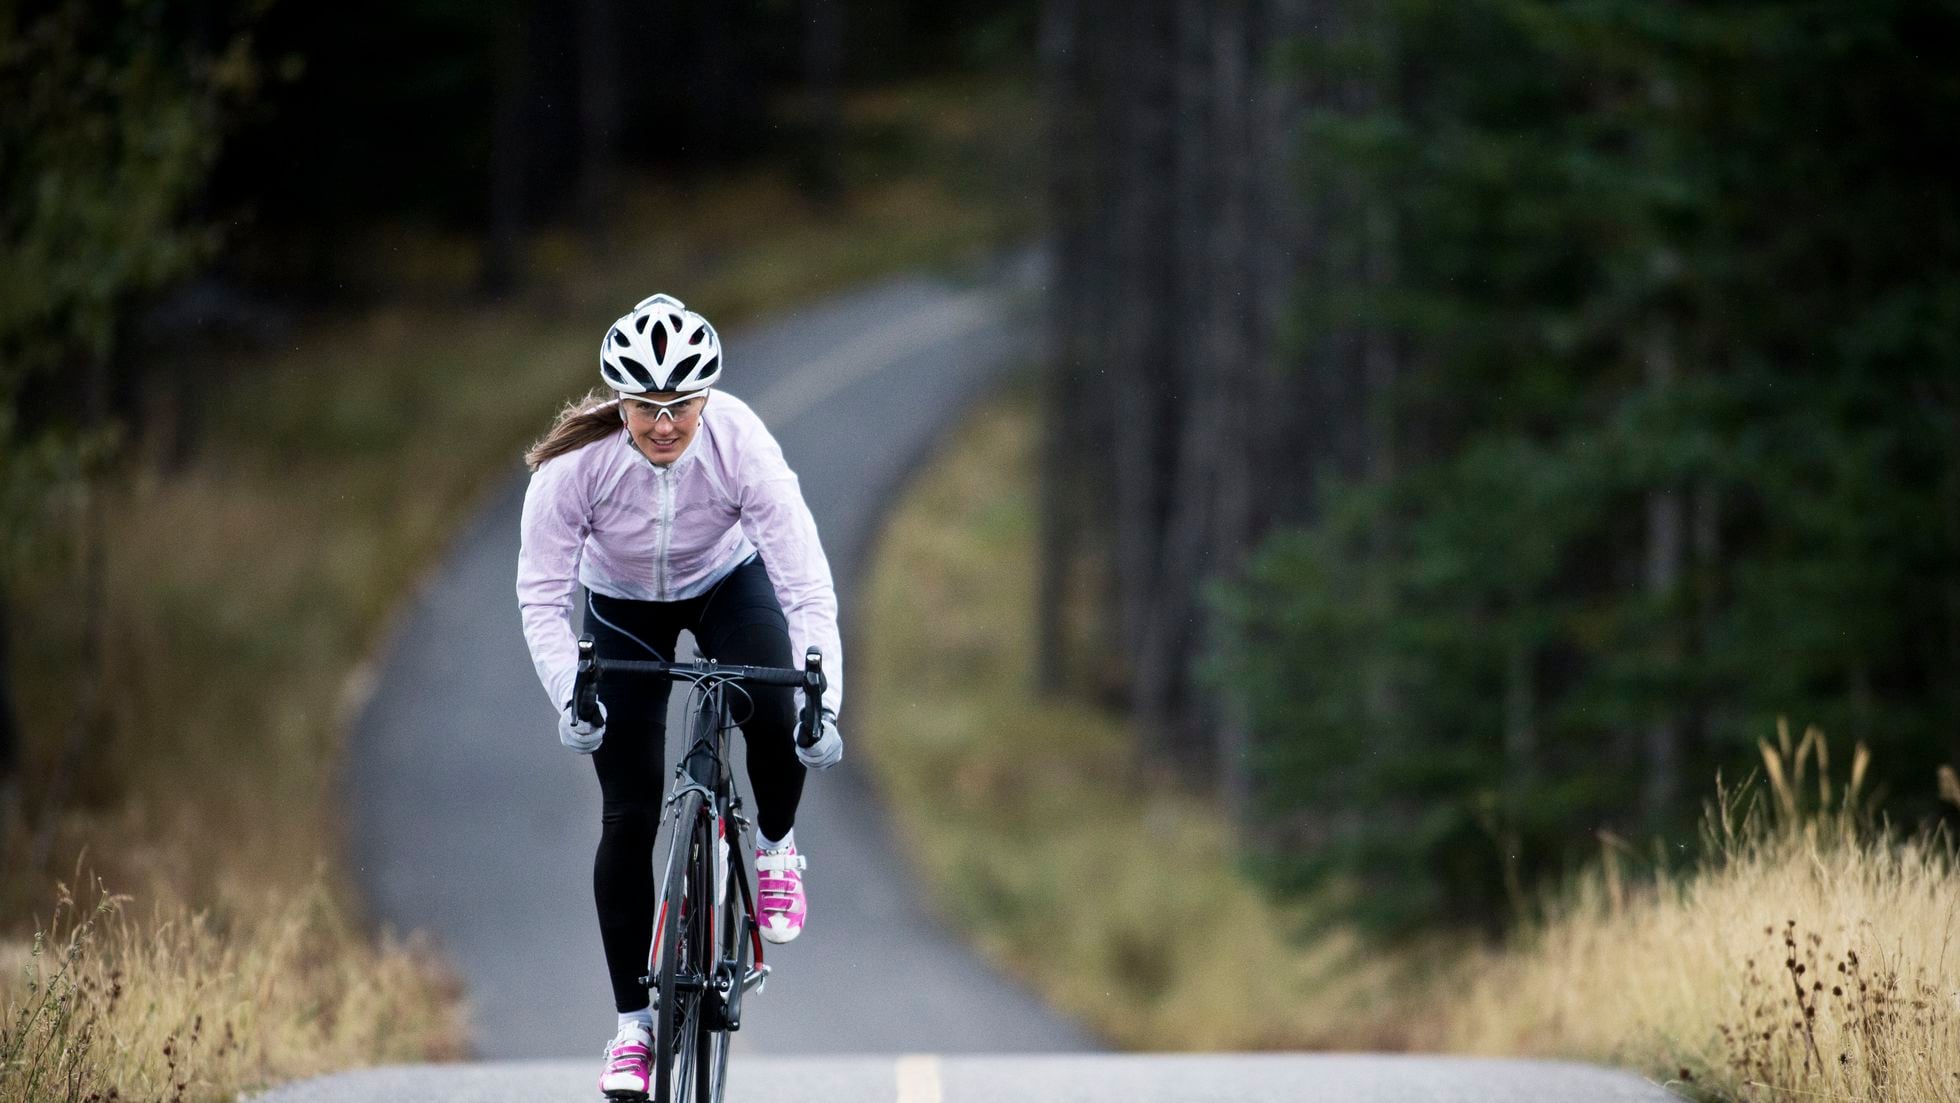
(468,819)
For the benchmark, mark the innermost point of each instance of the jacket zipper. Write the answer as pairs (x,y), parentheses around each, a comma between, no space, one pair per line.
(666,480)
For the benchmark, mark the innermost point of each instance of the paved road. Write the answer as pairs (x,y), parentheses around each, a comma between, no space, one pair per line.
(469,820)
(1050,1078)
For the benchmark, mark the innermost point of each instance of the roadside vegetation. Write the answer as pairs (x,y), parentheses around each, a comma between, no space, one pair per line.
(117,1001)
(1814,953)
(1809,954)
(1095,880)
(246,584)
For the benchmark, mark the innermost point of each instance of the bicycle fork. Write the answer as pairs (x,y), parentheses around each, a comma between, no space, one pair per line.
(723,995)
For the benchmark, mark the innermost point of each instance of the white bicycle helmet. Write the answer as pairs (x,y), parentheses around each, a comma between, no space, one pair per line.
(660,345)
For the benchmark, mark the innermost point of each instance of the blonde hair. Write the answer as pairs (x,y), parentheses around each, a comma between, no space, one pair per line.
(582,421)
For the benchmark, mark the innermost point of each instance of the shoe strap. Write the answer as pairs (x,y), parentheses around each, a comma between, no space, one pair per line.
(774,862)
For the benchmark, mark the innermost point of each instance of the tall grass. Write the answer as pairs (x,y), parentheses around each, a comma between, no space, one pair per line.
(1813,954)
(176,1004)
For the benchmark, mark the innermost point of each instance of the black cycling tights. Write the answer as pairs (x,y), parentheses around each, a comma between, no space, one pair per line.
(737,621)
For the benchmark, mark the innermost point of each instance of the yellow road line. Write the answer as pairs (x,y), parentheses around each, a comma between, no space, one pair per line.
(918,1078)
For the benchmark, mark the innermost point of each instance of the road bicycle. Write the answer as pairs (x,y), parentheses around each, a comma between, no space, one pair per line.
(707,945)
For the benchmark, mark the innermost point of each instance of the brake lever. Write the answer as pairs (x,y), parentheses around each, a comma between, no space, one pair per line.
(813,687)
(585,687)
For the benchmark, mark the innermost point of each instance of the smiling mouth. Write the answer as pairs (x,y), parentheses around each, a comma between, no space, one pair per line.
(663,442)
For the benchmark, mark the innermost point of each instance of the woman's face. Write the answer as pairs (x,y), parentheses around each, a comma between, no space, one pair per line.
(663,422)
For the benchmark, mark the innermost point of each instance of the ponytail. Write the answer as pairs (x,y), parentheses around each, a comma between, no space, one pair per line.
(582,421)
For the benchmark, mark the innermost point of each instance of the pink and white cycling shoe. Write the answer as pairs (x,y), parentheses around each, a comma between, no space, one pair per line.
(628,1057)
(779,874)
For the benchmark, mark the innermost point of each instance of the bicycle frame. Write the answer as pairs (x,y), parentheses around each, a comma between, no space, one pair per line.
(703,768)
(704,999)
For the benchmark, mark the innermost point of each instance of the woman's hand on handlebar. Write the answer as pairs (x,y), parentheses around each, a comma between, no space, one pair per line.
(827,750)
(580,735)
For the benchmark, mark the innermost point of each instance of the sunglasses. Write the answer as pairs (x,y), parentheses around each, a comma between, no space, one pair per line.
(679,409)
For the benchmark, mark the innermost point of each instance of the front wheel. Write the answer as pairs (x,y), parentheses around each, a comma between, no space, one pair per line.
(680,934)
(718,945)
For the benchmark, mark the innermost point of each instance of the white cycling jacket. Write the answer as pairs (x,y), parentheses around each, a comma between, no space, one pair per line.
(608,517)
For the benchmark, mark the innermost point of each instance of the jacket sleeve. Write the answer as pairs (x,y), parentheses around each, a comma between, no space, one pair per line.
(778,522)
(551,539)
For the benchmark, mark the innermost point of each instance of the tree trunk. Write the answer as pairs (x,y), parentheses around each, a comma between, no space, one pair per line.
(1665,528)
(823,74)
(1520,721)
(1238,351)
(1145,449)
(715,89)
(1706,534)
(10,810)
(509,150)
(1065,396)
(598,116)
(1380,369)
(85,722)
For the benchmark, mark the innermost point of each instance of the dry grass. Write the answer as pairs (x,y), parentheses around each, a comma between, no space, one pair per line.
(1814,955)
(1115,895)
(243,589)
(172,1006)
(1811,955)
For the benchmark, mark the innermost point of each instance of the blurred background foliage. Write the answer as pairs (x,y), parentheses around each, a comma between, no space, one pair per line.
(247,250)
(229,226)
(1469,424)
(1520,405)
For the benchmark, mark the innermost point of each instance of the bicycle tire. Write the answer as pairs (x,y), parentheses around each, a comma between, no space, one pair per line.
(733,941)
(677,1024)
(711,1041)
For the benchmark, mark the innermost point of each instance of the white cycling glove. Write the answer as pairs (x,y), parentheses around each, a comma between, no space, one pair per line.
(828,750)
(579,735)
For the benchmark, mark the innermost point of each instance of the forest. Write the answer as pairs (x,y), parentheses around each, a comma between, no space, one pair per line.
(1474,425)
(1470,426)
(189,187)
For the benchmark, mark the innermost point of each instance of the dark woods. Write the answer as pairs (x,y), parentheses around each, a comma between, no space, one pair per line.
(1471,425)
(1475,424)
(181,176)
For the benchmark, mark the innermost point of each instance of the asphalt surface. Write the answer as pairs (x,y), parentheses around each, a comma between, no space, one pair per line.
(1034,1078)
(468,820)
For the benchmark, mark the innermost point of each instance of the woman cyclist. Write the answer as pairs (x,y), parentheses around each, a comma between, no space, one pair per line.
(672,505)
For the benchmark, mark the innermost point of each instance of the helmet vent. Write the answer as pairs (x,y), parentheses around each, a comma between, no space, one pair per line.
(619,338)
(711,367)
(637,370)
(641,325)
(699,336)
(681,369)
(659,343)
